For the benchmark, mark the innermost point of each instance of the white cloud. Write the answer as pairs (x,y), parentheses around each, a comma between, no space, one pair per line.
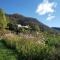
(50,17)
(46,7)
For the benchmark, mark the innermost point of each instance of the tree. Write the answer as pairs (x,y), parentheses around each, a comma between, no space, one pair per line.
(12,26)
(35,27)
(3,20)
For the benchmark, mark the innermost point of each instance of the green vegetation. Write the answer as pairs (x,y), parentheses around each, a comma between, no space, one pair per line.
(27,48)
(28,44)
(35,27)
(6,53)
(3,19)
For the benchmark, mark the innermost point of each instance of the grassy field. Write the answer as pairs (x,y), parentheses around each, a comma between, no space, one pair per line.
(18,47)
(6,53)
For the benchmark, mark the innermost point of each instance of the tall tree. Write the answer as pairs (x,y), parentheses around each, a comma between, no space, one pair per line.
(3,21)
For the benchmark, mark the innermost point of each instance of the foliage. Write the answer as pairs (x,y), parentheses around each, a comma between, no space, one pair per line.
(12,27)
(6,53)
(35,27)
(28,49)
(54,42)
(3,20)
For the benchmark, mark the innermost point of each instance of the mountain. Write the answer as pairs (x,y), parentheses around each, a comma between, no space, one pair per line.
(20,19)
(56,28)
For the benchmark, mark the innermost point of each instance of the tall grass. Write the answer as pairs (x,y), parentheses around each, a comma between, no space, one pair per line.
(28,49)
(36,48)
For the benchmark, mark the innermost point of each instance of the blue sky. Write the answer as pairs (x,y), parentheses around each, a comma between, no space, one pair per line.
(46,11)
